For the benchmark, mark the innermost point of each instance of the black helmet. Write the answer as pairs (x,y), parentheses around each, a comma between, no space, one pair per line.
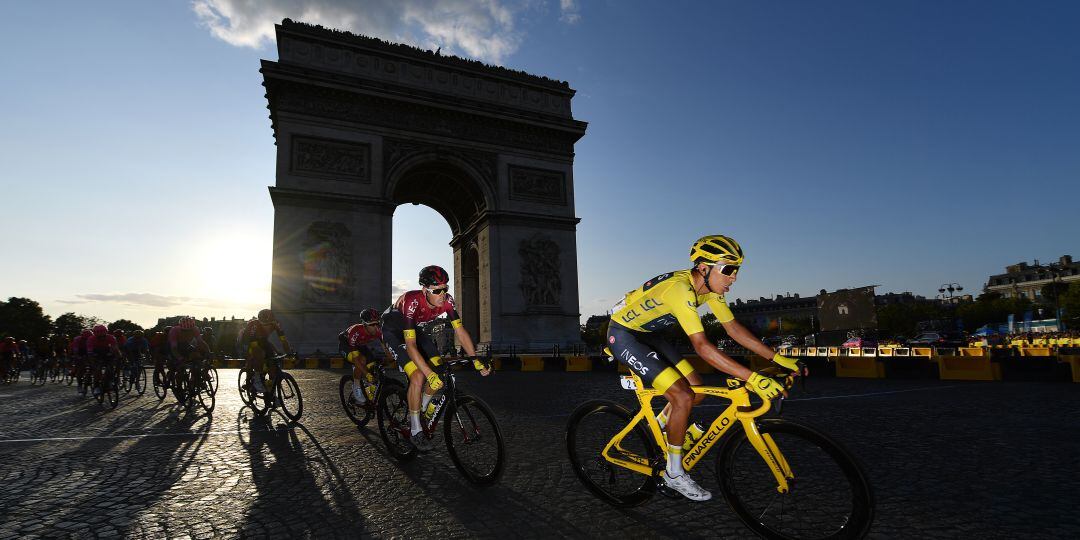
(369,316)
(433,275)
(266,316)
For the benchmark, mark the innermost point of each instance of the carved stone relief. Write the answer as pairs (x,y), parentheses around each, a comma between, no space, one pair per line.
(541,278)
(373,110)
(326,257)
(537,185)
(331,159)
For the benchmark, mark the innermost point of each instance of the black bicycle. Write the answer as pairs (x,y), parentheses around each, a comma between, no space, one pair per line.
(473,438)
(195,384)
(134,374)
(280,389)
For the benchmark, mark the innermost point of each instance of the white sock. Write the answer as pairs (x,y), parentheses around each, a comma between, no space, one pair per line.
(414,421)
(662,418)
(674,460)
(424,402)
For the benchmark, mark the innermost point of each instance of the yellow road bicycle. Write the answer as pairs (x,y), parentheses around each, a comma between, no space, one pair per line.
(782,479)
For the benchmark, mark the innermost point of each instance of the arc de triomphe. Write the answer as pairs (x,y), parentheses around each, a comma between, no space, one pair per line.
(362,126)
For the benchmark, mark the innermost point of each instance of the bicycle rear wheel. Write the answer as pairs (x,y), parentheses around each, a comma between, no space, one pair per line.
(111,387)
(590,428)
(392,411)
(474,440)
(829,496)
(359,414)
(289,397)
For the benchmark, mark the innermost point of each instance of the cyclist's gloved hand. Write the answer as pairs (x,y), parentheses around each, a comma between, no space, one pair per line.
(766,387)
(433,381)
(790,364)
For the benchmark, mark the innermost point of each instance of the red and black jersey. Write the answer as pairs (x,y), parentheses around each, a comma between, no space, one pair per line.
(78,345)
(417,311)
(8,349)
(356,335)
(256,331)
(100,344)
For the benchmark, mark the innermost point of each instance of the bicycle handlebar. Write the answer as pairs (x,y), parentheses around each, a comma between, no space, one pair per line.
(788,381)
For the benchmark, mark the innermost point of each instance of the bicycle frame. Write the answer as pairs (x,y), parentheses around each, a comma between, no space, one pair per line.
(739,410)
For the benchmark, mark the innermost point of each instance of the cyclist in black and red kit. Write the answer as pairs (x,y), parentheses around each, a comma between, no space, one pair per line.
(411,311)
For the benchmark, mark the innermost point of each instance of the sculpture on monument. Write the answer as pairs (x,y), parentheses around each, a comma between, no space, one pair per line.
(541,282)
(326,256)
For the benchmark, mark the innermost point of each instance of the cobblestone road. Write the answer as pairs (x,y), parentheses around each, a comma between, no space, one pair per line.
(981,460)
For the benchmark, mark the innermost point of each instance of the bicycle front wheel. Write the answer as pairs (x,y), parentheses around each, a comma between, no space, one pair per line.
(140,380)
(392,411)
(289,397)
(359,414)
(590,428)
(829,496)
(159,384)
(474,440)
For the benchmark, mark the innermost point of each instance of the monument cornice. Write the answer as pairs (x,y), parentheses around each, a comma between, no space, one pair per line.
(321,199)
(339,104)
(357,84)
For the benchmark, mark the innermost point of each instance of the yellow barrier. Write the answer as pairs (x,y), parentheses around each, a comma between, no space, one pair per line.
(972,351)
(337,362)
(311,363)
(884,351)
(902,351)
(578,363)
(1074,364)
(1035,351)
(289,363)
(853,351)
(922,351)
(786,351)
(823,351)
(834,352)
(532,362)
(968,368)
(864,367)
(795,351)
(869,351)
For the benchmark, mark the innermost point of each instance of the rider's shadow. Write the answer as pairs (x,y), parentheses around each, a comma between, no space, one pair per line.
(286,476)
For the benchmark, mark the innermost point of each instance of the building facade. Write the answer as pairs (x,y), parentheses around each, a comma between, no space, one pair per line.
(1023,280)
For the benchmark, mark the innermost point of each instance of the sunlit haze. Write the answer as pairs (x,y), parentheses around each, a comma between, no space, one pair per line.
(905,144)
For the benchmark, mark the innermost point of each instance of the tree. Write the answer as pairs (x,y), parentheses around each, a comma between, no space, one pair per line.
(22,318)
(70,324)
(1070,304)
(125,325)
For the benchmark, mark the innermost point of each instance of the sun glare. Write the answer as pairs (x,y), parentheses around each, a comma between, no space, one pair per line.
(234,270)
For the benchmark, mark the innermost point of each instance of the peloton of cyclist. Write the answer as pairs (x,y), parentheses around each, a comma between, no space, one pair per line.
(674,298)
(411,311)
(101,348)
(184,341)
(354,341)
(9,353)
(258,348)
(78,355)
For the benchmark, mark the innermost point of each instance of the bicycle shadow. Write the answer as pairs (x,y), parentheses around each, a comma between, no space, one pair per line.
(284,473)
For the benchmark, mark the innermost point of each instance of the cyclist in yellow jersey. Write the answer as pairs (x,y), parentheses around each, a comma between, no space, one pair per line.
(674,298)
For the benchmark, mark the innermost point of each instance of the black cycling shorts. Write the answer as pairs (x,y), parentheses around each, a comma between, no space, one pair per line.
(393,331)
(648,355)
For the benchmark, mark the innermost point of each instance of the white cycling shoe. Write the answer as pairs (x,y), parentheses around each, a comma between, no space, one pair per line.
(358,395)
(686,486)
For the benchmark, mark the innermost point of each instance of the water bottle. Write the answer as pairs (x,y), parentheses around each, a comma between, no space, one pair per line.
(693,435)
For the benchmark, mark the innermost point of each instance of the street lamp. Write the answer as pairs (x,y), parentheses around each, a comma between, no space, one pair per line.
(950,288)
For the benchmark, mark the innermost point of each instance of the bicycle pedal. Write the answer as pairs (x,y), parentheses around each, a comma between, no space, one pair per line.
(662,489)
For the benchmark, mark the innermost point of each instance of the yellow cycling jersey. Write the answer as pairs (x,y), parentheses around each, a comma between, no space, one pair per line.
(666,299)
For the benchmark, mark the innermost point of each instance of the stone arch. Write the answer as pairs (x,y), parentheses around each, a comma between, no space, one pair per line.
(363,126)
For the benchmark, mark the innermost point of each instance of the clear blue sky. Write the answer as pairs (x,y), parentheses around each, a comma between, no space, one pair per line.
(844,143)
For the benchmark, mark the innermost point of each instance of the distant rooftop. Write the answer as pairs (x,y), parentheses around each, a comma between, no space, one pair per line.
(416,52)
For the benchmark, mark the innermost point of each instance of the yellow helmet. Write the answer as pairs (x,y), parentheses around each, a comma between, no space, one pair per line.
(716,248)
